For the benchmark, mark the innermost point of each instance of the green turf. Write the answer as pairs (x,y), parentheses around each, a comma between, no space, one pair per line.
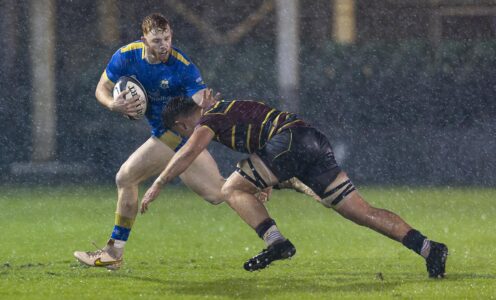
(185,248)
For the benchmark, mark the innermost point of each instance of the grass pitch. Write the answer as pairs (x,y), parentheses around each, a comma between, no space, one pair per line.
(185,248)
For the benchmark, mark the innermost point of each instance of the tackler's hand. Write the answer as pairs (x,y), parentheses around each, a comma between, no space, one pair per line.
(208,98)
(150,195)
(264,195)
(218,96)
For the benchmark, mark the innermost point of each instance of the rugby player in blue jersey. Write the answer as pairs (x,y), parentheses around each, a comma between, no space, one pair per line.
(165,72)
(280,146)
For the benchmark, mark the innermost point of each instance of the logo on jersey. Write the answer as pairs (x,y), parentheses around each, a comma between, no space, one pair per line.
(164,84)
(199,80)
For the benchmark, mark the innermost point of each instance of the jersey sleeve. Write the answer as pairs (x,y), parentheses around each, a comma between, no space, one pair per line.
(193,81)
(213,121)
(116,67)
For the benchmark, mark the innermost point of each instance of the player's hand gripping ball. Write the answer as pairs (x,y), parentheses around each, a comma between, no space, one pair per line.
(136,95)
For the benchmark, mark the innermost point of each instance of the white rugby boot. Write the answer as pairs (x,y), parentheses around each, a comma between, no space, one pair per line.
(108,257)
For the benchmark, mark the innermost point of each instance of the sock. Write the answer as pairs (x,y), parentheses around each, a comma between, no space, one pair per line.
(122,229)
(417,242)
(119,244)
(267,230)
(426,248)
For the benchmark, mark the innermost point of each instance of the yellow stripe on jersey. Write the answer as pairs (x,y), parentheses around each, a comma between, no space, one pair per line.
(226,110)
(179,57)
(267,116)
(106,76)
(262,127)
(143,53)
(248,133)
(229,107)
(233,137)
(170,139)
(286,125)
(133,46)
(214,107)
(274,125)
(208,128)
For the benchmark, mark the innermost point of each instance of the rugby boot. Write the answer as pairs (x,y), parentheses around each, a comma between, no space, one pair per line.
(106,257)
(274,252)
(436,260)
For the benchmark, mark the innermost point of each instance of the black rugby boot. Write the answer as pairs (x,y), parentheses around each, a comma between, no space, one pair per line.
(274,252)
(436,261)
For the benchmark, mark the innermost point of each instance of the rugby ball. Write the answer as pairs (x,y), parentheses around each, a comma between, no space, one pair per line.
(136,90)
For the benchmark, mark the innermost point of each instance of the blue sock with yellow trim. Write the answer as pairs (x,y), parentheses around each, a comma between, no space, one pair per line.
(122,229)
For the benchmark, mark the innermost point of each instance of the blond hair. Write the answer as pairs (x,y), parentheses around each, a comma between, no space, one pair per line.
(154,21)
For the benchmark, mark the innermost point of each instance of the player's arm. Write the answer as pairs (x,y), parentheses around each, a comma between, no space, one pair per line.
(103,94)
(195,87)
(103,91)
(183,158)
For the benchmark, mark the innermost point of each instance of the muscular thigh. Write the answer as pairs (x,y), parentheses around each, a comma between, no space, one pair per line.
(204,178)
(254,171)
(149,159)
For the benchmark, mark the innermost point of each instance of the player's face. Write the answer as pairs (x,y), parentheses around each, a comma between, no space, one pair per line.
(185,126)
(159,43)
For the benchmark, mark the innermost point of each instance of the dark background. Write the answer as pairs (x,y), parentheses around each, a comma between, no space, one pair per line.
(398,106)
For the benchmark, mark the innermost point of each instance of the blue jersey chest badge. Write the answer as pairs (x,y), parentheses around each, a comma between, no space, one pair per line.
(164,84)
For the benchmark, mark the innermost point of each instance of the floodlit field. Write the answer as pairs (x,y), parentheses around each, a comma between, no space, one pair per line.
(185,248)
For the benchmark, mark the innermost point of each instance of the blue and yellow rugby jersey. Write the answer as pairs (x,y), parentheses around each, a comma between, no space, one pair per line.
(178,76)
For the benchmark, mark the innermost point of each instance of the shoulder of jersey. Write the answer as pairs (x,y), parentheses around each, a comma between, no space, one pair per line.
(180,56)
(133,48)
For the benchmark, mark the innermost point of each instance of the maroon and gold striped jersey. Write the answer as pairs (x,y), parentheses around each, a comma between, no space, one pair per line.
(246,126)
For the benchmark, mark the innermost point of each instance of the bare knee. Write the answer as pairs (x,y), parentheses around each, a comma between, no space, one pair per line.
(214,198)
(231,192)
(124,177)
(227,191)
(212,195)
(120,178)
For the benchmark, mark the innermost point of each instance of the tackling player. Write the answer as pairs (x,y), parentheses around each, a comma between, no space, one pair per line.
(165,72)
(281,146)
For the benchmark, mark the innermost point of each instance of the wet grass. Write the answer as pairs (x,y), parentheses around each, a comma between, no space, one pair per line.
(185,248)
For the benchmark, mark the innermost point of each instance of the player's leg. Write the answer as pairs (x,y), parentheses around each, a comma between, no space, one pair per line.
(342,196)
(335,190)
(240,195)
(240,192)
(357,210)
(149,159)
(203,177)
(146,161)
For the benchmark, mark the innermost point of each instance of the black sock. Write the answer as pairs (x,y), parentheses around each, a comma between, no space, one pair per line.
(414,240)
(264,226)
(269,232)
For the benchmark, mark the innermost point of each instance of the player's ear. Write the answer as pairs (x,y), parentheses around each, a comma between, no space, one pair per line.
(179,125)
(143,39)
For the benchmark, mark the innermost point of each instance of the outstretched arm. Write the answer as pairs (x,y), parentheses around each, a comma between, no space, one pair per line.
(198,141)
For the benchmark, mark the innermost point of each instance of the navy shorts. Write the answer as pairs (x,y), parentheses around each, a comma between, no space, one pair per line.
(304,153)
